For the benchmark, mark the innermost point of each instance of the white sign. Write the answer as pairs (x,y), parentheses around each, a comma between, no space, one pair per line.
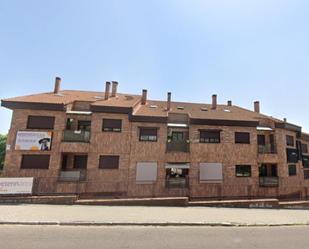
(20,185)
(33,140)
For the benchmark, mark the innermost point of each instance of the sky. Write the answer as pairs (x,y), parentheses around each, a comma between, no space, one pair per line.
(243,50)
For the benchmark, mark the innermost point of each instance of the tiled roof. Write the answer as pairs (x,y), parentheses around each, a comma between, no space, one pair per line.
(152,108)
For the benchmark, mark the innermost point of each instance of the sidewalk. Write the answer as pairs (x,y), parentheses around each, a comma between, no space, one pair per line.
(163,216)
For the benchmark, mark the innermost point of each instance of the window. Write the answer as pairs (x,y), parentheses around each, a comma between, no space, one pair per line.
(292,155)
(148,134)
(112,125)
(243,170)
(35,162)
(210,137)
(242,138)
(306,161)
(80,162)
(306,173)
(268,170)
(177,136)
(109,162)
(84,125)
(292,169)
(211,172)
(304,148)
(261,139)
(41,122)
(289,140)
(146,172)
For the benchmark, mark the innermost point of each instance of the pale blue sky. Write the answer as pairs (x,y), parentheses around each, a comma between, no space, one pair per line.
(244,50)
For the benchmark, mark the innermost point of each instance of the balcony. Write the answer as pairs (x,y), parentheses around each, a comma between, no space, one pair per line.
(177,146)
(72,175)
(267,149)
(269,181)
(80,136)
(177,182)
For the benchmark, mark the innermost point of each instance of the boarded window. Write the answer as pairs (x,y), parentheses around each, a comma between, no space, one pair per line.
(35,162)
(243,170)
(211,172)
(292,155)
(109,162)
(289,140)
(292,169)
(41,122)
(209,136)
(148,134)
(242,138)
(80,161)
(304,148)
(113,125)
(146,172)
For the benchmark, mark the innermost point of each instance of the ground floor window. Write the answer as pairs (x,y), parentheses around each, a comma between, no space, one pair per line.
(292,169)
(211,172)
(35,162)
(177,177)
(146,172)
(243,170)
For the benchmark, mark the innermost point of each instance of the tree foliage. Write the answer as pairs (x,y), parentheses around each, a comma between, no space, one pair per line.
(2,149)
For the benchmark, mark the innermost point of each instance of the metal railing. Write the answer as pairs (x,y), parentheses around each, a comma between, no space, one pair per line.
(269,181)
(177,182)
(267,149)
(177,146)
(76,136)
(72,175)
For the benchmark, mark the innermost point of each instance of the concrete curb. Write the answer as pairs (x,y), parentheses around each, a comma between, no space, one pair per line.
(161,224)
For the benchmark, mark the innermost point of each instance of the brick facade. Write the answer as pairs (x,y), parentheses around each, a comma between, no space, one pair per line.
(127,145)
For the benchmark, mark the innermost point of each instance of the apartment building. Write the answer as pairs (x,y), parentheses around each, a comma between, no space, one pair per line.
(114,144)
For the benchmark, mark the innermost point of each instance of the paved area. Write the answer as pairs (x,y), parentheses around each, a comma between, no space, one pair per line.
(51,237)
(150,215)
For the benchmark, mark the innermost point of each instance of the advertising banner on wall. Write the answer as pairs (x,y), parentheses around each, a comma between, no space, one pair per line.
(33,140)
(18,185)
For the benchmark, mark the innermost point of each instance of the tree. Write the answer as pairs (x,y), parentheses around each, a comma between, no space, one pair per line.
(2,149)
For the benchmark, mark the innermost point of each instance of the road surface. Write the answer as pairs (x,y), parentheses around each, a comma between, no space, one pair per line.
(82,237)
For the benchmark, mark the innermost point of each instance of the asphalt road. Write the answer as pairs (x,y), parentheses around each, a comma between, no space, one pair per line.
(42,237)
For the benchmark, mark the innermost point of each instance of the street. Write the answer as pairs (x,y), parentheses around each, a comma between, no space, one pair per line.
(82,237)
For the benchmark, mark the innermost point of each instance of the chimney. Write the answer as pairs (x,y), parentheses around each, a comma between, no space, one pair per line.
(285,120)
(168,104)
(114,88)
(257,106)
(107,89)
(144,97)
(214,101)
(229,103)
(57,85)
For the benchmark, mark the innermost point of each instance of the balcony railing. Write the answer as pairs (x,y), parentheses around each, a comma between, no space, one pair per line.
(72,175)
(267,149)
(76,136)
(177,146)
(269,181)
(177,182)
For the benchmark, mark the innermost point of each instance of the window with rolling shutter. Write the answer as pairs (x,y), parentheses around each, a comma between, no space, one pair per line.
(148,134)
(109,162)
(209,136)
(112,125)
(243,170)
(40,122)
(242,138)
(289,140)
(304,148)
(35,162)
(80,161)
